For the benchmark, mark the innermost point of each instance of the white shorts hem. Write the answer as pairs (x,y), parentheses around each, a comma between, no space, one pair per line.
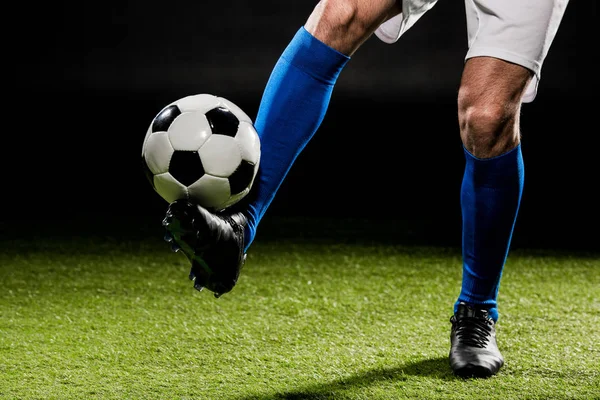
(509,56)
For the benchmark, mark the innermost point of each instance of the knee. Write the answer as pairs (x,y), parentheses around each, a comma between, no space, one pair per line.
(343,24)
(488,124)
(344,16)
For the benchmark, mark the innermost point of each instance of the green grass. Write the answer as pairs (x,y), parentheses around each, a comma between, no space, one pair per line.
(118,319)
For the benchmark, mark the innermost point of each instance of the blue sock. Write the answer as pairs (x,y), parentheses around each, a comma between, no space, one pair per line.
(292,108)
(490,199)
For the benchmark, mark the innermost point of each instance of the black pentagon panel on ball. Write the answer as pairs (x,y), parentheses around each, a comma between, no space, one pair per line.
(186,167)
(165,118)
(147,172)
(241,177)
(222,121)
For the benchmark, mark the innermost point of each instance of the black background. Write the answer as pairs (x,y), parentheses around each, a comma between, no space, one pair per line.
(85,79)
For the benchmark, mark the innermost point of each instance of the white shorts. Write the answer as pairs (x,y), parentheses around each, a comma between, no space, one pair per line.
(518,31)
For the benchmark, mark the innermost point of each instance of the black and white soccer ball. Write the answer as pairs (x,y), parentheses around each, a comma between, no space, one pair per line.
(202,148)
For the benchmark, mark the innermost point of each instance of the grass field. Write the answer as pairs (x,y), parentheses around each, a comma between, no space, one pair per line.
(105,318)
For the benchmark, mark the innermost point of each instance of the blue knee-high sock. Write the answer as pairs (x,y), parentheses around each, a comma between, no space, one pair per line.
(490,199)
(292,108)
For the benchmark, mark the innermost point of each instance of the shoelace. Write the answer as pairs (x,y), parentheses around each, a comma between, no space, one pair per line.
(473,331)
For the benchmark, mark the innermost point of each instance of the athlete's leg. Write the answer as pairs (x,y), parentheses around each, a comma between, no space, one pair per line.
(293,105)
(297,94)
(508,42)
(489,105)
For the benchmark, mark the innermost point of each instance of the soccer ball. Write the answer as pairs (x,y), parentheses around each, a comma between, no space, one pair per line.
(202,148)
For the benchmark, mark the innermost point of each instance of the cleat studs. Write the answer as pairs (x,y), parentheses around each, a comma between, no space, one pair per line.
(198,287)
(174,247)
(217,295)
(168,237)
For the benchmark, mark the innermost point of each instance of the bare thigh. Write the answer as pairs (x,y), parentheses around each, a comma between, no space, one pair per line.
(346,24)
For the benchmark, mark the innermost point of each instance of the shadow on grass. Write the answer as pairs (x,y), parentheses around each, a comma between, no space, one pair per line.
(436,368)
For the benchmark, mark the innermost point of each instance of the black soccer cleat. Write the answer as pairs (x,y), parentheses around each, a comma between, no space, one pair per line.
(213,242)
(473,351)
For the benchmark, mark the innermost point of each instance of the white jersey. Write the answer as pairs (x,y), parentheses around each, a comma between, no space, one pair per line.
(517,31)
